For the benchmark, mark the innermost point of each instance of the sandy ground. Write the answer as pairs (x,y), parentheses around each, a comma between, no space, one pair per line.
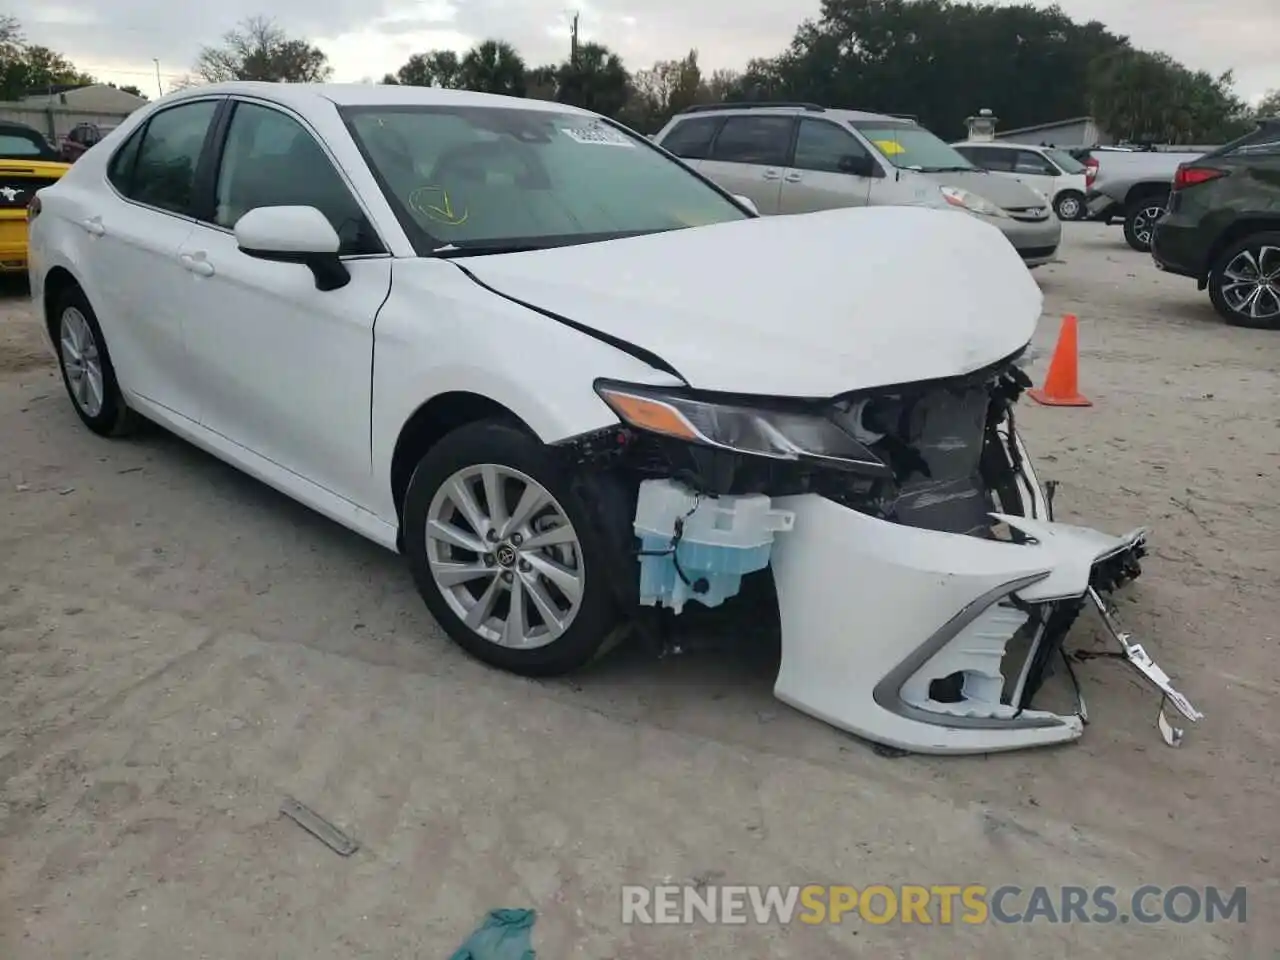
(180,648)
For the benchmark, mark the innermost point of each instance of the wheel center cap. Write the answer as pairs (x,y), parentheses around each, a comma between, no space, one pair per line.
(505,555)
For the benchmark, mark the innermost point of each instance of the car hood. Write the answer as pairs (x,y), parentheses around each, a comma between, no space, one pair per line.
(1003,191)
(811,305)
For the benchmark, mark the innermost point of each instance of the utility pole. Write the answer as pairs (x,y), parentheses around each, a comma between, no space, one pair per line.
(573,41)
(159,88)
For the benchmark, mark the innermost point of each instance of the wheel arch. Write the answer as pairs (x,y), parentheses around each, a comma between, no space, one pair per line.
(1233,234)
(56,282)
(427,425)
(1146,189)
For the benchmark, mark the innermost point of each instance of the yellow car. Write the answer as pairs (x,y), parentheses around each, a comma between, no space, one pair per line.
(27,163)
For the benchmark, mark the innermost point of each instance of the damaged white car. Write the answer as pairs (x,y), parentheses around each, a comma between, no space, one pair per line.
(569,378)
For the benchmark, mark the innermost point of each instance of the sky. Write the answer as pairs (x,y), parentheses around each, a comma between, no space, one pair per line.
(127,41)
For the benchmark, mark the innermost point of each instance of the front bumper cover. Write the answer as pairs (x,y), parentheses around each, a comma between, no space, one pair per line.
(876,616)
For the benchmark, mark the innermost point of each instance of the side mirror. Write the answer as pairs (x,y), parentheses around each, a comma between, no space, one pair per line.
(748,203)
(858,165)
(301,235)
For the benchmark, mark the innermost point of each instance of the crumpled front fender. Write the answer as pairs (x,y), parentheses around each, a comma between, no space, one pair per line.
(873,611)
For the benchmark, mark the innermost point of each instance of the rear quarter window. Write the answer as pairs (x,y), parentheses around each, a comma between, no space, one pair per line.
(691,139)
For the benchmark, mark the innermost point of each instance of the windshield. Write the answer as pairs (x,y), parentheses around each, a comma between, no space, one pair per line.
(1066,161)
(492,179)
(909,146)
(24,145)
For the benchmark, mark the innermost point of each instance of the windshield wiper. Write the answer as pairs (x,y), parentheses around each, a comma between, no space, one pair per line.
(451,251)
(950,169)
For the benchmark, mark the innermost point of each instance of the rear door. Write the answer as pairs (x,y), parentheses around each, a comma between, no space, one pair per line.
(134,229)
(816,179)
(749,155)
(690,139)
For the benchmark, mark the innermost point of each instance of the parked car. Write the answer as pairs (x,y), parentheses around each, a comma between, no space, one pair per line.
(1052,172)
(1223,227)
(27,163)
(798,158)
(81,137)
(1133,185)
(569,377)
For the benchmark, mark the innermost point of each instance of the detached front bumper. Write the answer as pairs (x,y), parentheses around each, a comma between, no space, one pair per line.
(899,634)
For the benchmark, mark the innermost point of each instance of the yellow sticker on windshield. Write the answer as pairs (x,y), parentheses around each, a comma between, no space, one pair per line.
(434,204)
(889,147)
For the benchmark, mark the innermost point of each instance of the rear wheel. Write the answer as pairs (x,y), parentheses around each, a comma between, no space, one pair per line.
(1244,284)
(504,553)
(1140,220)
(86,367)
(1069,205)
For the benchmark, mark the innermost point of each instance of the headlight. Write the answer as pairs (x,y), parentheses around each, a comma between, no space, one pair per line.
(966,200)
(757,431)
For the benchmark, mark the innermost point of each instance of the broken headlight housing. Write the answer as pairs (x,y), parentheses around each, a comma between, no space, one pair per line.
(776,432)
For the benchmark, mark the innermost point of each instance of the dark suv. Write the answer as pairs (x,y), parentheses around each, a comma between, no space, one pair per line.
(1223,227)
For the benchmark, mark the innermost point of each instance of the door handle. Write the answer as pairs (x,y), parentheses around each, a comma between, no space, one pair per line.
(792,178)
(771,175)
(197,265)
(93,226)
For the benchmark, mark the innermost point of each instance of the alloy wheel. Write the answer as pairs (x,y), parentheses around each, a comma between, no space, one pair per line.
(1250,283)
(81,361)
(1144,223)
(504,556)
(1069,208)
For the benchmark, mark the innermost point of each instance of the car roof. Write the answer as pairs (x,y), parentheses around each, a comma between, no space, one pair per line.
(788,110)
(309,96)
(998,145)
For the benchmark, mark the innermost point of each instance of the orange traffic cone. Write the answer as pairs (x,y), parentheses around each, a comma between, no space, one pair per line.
(1061,385)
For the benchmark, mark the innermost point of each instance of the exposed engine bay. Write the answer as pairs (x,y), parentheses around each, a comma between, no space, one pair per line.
(914,567)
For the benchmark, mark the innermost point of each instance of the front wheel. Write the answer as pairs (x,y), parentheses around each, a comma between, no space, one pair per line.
(504,553)
(1069,205)
(1244,283)
(1140,221)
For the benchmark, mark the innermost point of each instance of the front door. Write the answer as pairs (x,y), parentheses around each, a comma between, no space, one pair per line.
(1036,172)
(748,157)
(281,368)
(134,279)
(817,178)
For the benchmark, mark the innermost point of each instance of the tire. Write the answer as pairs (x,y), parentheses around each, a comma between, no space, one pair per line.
(506,451)
(1140,218)
(1069,205)
(1227,296)
(86,367)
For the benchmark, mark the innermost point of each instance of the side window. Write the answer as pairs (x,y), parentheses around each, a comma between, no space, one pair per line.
(993,158)
(691,138)
(760,140)
(1033,163)
(822,146)
(270,160)
(164,172)
(120,169)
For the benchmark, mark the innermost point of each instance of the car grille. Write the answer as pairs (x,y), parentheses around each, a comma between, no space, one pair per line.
(16,191)
(1028,213)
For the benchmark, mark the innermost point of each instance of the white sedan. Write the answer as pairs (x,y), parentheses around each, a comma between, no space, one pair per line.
(569,378)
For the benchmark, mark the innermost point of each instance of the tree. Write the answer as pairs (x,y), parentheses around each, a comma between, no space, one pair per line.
(542,83)
(25,68)
(435,68)
(260,50)
(44,68)
(595,80)
(130,88)
(666,88)
(1149,97)
(493,67)
(1269,105)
